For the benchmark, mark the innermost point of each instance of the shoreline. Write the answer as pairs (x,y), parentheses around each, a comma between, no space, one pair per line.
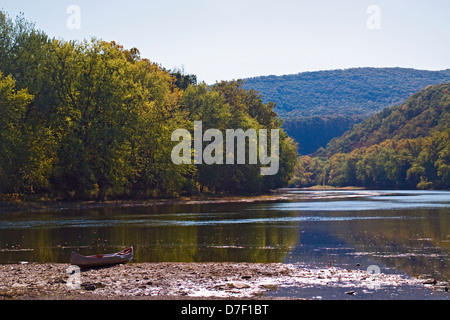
(199,281)
(36,206)
(279,194)
(62,205)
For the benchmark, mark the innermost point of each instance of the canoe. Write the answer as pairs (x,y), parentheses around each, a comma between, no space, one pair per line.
(101,260)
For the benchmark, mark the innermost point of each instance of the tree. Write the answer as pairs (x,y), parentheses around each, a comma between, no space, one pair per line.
(16,160)
(92,119)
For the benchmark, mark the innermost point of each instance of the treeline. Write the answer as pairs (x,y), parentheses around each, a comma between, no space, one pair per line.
(422,163)
(406,146)
(94,120)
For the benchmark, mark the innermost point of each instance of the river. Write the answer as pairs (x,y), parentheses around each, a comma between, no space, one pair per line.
(397,231)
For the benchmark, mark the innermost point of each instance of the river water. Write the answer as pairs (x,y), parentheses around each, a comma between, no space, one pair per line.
(401,231)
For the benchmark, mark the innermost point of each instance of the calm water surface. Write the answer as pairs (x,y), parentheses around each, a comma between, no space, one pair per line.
(403,231)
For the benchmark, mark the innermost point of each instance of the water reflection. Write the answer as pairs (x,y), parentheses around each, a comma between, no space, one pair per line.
(405,230)
(204,233)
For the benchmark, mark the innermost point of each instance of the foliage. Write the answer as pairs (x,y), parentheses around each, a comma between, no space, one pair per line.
(318,106)
(182,80)
(229,105)
(16,163)
(350,92)
(92,119)
(427,110)
(406,146)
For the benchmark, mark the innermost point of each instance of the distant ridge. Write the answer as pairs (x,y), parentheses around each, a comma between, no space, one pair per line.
(318,106)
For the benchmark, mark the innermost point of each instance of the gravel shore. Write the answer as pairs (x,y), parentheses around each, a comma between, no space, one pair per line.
(182,281)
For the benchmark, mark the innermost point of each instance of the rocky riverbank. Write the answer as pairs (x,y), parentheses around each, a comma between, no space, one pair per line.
(184,281)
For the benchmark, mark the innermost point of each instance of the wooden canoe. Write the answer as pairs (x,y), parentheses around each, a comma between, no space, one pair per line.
(101,260)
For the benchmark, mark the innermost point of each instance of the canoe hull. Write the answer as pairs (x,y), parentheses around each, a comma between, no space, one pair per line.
(101,260)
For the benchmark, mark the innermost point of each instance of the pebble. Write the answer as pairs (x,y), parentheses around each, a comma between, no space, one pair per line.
(350,292)
(90,287)
(430,281)
(240,285)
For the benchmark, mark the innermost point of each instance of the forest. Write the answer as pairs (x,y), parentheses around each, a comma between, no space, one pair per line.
(352,92)
(406,146)
(319,106)
(93,120)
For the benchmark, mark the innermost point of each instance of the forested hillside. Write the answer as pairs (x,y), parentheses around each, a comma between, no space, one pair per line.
(94,120)
(405,146)
(328,103)
(424,112)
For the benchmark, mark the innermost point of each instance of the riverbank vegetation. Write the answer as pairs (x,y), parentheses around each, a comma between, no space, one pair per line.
(406,146)
(83,120)
(93,120)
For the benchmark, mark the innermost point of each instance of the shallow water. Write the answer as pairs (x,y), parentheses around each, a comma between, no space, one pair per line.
(399,231)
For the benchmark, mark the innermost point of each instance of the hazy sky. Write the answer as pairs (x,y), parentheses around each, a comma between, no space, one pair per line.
(228,39)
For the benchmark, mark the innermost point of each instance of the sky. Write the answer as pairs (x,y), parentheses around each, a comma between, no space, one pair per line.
(230,39)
